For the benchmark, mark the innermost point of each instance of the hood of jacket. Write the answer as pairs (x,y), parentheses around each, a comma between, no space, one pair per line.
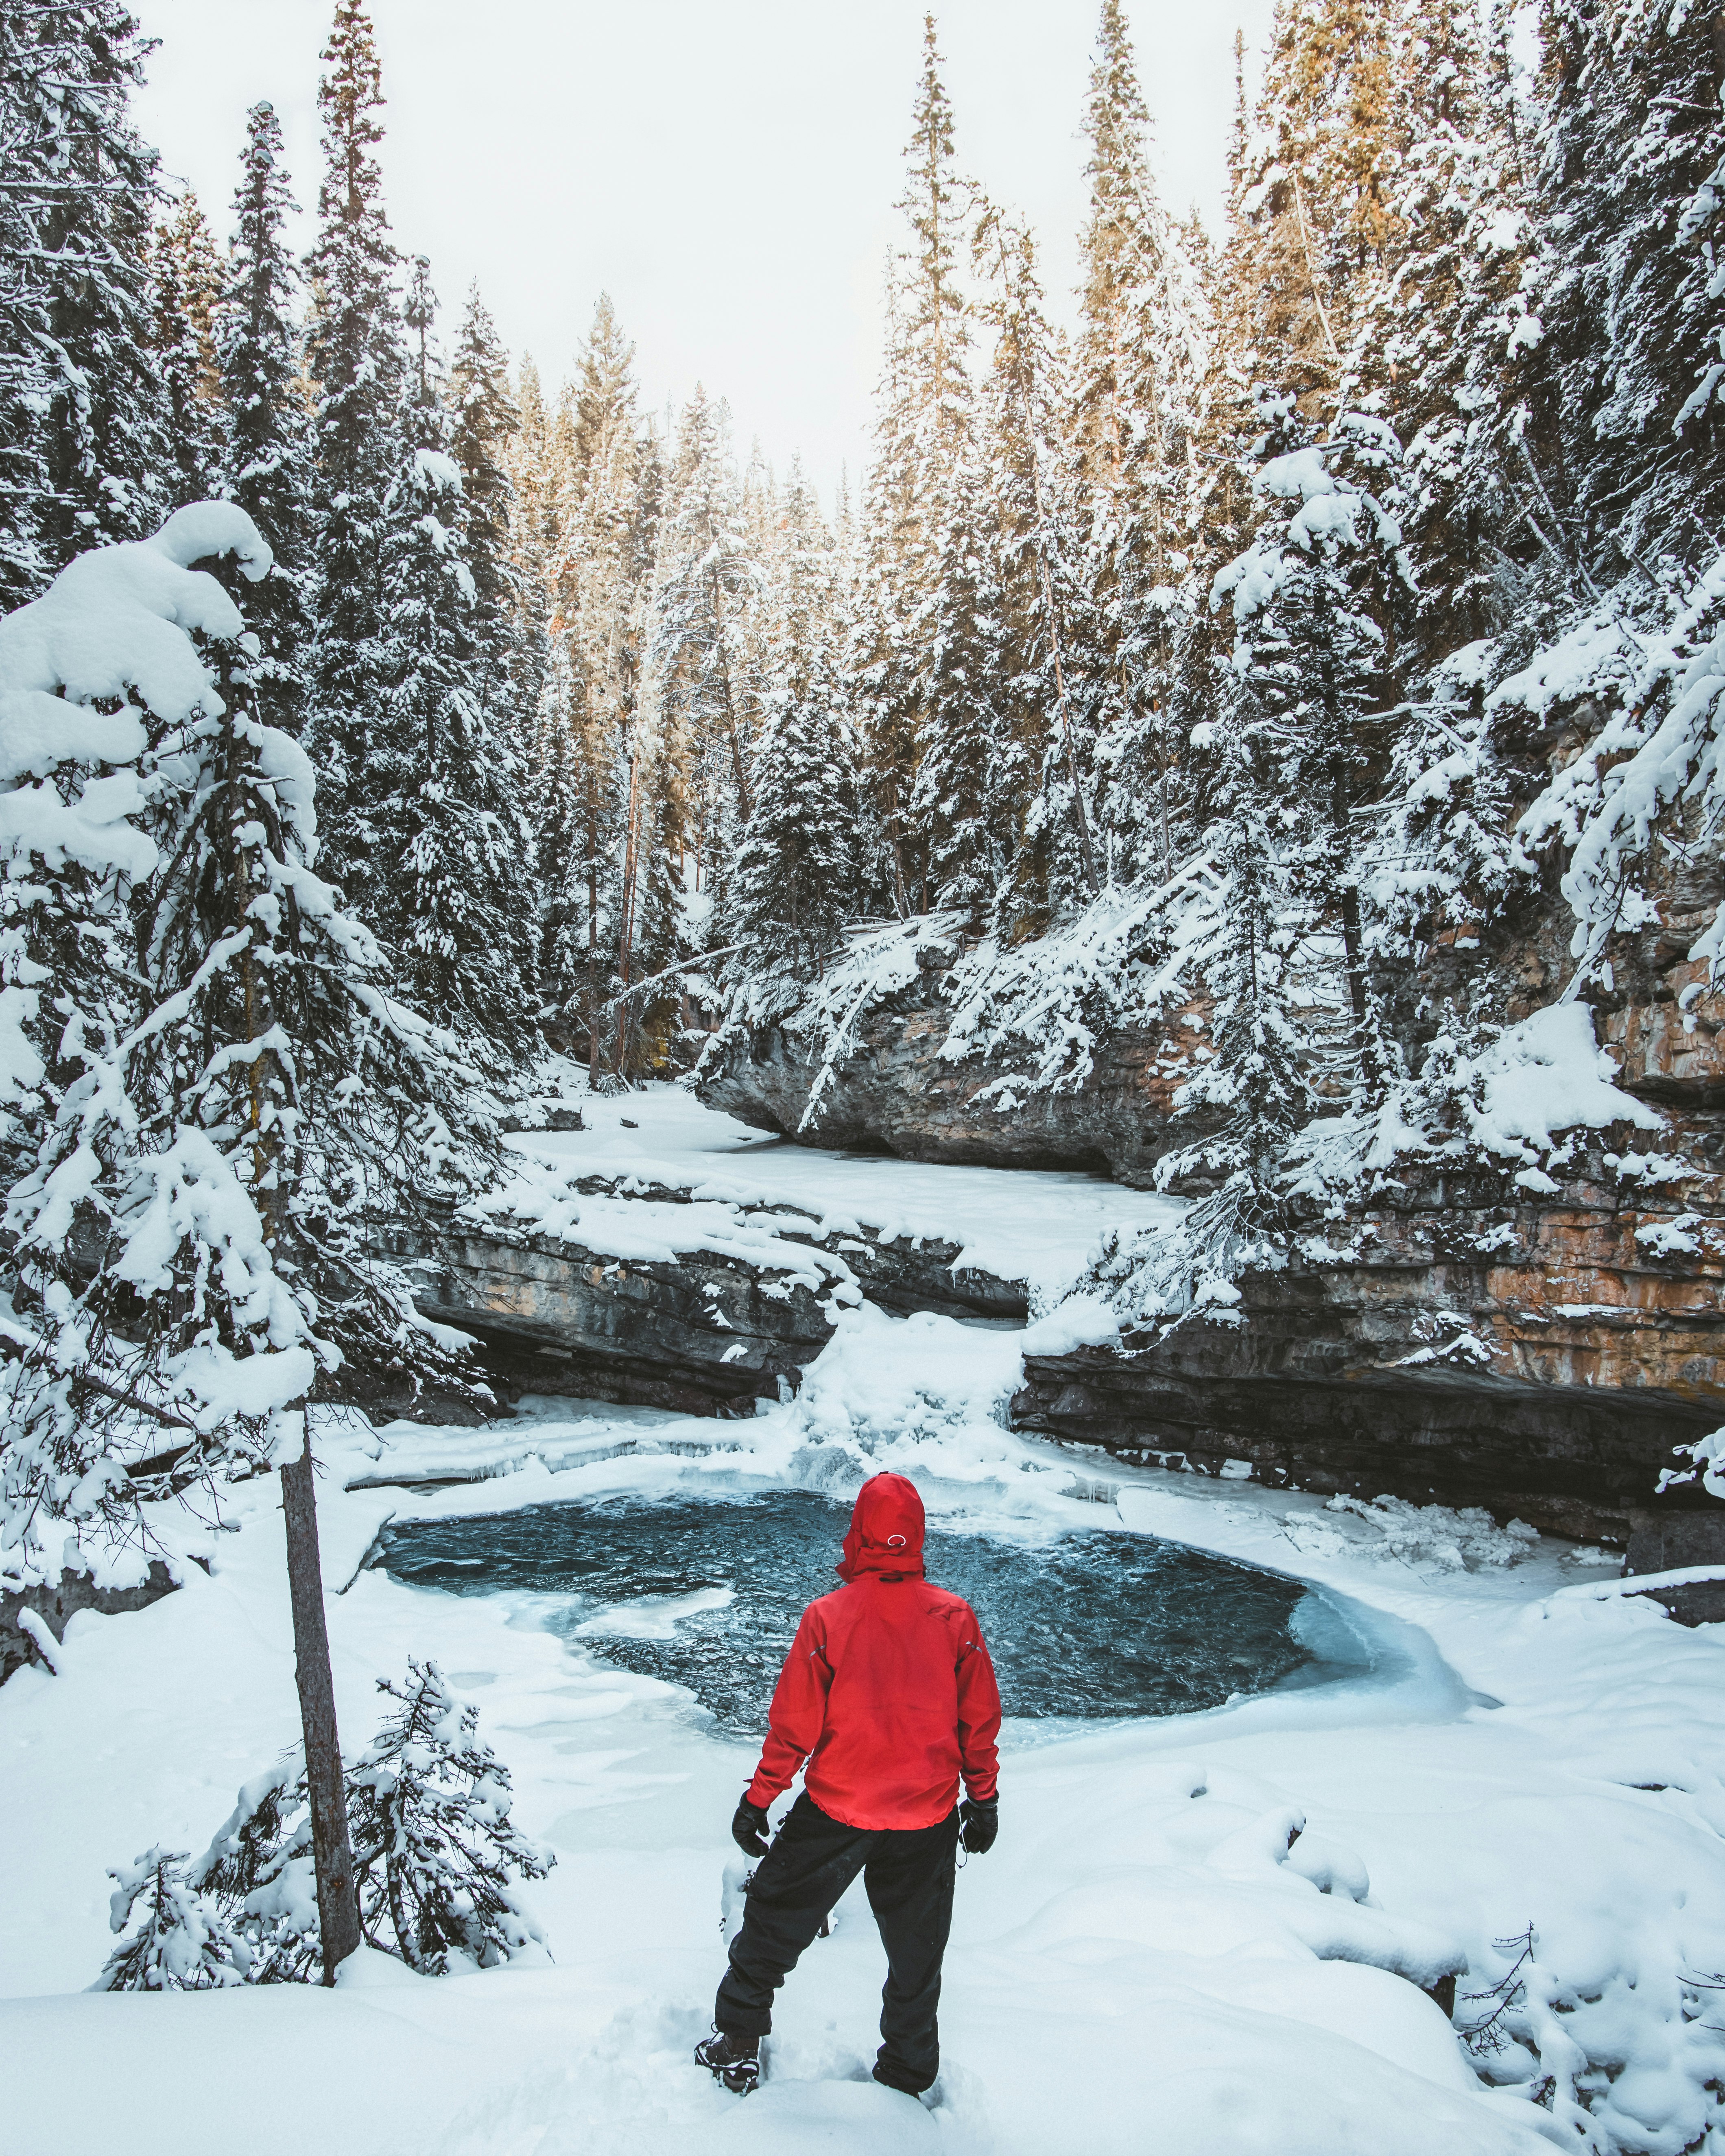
(886,1527)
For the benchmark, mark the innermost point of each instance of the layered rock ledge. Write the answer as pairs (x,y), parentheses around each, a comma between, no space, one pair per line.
(699,1329)
(1543,1367)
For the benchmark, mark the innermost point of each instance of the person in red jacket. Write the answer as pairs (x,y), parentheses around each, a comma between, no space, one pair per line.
(889,1696)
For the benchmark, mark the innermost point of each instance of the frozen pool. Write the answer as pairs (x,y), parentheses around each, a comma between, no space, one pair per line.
(706,1592)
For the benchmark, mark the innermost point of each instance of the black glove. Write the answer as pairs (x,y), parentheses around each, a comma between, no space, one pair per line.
(978,1824)
(749,1829)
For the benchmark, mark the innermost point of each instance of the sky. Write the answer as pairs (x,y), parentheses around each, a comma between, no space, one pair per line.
(726,169)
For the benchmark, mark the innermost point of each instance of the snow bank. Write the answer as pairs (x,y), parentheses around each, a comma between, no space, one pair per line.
(1015,1224)
(647,1231)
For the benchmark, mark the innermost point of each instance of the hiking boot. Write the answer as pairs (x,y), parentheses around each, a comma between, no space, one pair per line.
(733,2059)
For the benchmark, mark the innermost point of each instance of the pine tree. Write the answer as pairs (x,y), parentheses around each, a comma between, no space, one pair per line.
(184,1941)
(442,778)
(924,432)
(598,578)
(1316,207)
(1629,162)
(84,442)
(1039,786)
(485,421)
(437,1852)
(215,1081)
(964,730)
(1254,1094)
(355,357)
(1141,364)
(267,467)
(188,280)
(1319,602)
(703,581)
(794,880)
(532,545)
(437,1863)
(1415,338)
(883,662)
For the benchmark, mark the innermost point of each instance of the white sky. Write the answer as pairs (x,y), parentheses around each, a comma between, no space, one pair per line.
(725,168)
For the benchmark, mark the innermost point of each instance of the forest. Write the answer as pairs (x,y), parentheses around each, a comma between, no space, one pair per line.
(1285,671)
(1272,656)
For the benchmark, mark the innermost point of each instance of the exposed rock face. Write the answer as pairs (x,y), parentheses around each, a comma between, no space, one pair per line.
(701,1335)
(1545,1375)
(56,1606)
(896,1093)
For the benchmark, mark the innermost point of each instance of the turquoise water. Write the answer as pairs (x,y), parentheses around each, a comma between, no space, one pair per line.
(1090,1623)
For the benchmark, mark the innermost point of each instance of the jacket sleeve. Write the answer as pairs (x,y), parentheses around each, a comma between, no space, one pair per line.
(978,1716)
(798,1712)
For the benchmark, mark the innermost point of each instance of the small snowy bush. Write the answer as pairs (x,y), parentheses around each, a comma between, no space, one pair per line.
(184,1942)
(436,1859)
(433,1846)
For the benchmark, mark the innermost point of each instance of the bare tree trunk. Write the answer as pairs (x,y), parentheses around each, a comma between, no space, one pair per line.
(331,1851)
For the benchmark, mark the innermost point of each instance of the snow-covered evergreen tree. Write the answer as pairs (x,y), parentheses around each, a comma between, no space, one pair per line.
(484,420)
(704,580)
(84,451)
(1141,363)
(924,432)
(965,729)
(437,1861)
(1039,789)
(1316,208)
(793,885)
(532,542)
(1319,601)
(356,358)
(443,775)
(1631,161)
(598,576)
(212,1106)
(268,452)
(436,1852)
(195,1146)
(883,670)
(184,1941)
(187,280)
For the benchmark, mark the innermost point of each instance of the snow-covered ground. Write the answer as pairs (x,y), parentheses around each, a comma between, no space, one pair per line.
(1032,1224)
(1141,1962)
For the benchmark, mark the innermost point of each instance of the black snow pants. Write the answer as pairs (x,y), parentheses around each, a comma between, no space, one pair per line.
(908,1874)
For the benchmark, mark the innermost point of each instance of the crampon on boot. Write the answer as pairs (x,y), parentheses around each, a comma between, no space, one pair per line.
(735,2061)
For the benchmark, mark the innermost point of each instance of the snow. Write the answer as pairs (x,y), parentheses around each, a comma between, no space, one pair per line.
(115,620)
(1039,1226)
(1548,1075)
(1142,1960)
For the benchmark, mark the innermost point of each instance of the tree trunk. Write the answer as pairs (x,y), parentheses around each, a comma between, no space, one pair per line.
(331,1852)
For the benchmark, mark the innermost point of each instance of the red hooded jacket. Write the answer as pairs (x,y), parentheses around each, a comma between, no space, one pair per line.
(888,1691)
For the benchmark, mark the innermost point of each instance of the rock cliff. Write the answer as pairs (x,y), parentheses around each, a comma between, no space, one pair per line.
(701,1333)
(897,1090)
